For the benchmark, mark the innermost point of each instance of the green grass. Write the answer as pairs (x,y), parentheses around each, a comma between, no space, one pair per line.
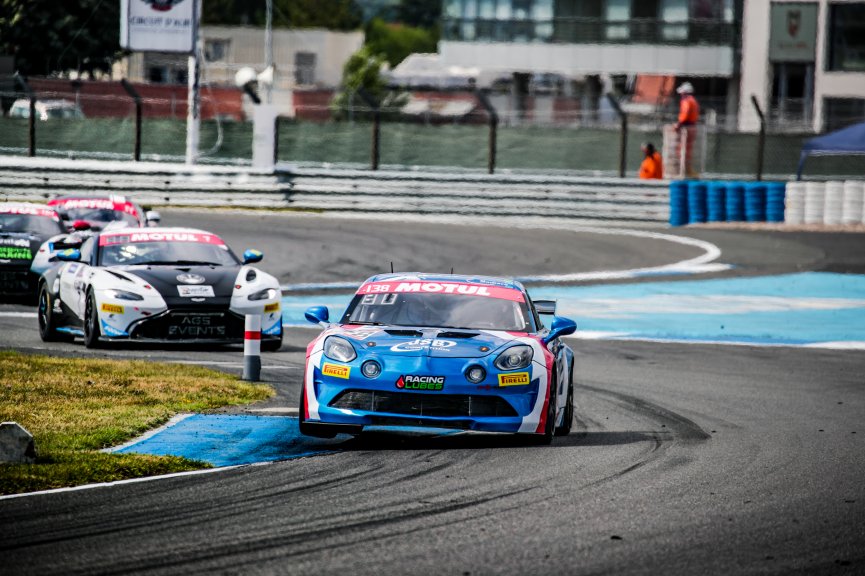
(74,407)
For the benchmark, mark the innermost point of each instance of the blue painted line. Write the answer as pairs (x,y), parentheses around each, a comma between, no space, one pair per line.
(230,440)
(806,309)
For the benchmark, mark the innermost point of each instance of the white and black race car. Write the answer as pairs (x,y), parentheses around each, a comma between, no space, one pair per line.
(156,284)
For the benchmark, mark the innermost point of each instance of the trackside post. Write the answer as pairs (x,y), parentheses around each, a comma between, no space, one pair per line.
(252,348)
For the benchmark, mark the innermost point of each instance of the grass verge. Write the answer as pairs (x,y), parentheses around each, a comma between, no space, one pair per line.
(76,406)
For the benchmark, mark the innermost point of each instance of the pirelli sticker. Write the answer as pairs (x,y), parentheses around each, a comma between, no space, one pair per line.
(514,379)
(336,370)
(271,307)
(112,308)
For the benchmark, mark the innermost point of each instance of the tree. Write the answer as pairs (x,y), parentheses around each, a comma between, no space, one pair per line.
(48,37)
(331,14)
(362,72)
(396,41)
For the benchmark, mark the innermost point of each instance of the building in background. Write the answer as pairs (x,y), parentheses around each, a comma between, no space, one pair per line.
(587,47)
(804,61)
(305,59)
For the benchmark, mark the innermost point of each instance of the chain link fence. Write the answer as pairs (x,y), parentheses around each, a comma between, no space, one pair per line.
(429,131)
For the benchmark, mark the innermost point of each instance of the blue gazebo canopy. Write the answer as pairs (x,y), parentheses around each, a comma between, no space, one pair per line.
(849,140)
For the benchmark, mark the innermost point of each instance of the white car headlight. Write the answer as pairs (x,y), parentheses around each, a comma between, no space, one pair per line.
(514,358)
(266,294)
(123,295)
(339,349)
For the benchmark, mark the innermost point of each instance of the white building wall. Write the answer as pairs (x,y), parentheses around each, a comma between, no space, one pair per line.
(756,71)
(580,59)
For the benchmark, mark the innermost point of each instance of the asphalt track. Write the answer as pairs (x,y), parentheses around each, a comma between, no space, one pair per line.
(686,458)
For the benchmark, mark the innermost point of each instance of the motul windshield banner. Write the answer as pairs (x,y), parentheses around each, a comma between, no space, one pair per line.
(29,211)
(127,237)
(158,25)
(96,204)
(459,288)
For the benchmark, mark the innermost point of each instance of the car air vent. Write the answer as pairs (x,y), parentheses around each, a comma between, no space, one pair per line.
(397,332)
(121,276)
(450,334)
(250,275)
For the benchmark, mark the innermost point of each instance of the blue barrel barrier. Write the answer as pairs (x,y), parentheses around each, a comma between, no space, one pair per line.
(715,202)
(755,202)
(734,201)
(775,197)
(697,212)
(678,203)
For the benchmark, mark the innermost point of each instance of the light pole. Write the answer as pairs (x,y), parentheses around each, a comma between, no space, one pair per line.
(268,52)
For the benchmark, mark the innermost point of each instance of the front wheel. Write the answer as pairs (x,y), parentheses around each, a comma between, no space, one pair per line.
(91,323)
(47,322)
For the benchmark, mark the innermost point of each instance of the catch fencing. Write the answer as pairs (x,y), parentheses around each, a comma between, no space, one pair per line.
(549,134)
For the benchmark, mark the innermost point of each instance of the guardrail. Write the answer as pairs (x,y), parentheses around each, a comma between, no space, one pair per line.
(357,191)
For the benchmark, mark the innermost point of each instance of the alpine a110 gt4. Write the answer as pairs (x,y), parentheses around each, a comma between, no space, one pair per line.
(439,351)
(157,284)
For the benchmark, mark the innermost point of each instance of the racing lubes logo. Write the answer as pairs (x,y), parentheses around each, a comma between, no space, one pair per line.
(428,383)
(421,343)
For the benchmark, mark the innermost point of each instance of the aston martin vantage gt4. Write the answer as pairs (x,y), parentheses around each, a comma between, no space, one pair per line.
(440,351)
(156,284)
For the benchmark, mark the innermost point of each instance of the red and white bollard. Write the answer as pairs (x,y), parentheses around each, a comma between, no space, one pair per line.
(252,348)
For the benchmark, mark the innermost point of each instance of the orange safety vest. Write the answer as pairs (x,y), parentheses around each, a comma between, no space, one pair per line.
(689,110)
(652,167)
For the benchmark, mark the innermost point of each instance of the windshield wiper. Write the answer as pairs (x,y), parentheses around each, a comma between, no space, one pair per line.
(362,323)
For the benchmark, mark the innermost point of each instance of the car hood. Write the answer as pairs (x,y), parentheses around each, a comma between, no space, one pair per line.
(166,279)
(431,342)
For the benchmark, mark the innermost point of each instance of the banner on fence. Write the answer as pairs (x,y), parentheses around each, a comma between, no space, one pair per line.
(158,25)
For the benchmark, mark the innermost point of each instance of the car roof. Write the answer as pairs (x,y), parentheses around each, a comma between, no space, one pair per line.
(160,229)
(116,197)
(458,278)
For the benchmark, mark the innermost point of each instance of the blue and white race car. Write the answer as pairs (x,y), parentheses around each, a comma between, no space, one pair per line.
(439,351)
(156,284)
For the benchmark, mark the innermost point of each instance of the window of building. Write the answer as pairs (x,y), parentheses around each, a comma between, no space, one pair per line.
(216,50)
(487,9)
(618,11)
(453,8)
(841,112)
(304,68)
(674,14)
(157,74)
(846,37)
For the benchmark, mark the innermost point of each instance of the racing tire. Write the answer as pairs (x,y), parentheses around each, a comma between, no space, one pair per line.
(568,418)
(273,345)
(309,428)
(91,323)
(546,438)
(45,312)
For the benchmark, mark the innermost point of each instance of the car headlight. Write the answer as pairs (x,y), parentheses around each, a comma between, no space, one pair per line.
(123,295)
(339,349)
(371,369)
(476,374)
(514,358)
(266,294)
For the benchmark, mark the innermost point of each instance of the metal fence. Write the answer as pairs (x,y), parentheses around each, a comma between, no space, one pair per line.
(450,132)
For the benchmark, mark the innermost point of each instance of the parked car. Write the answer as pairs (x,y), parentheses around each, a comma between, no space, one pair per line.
(46,109)
(158,285)
(24,227)
(439,351)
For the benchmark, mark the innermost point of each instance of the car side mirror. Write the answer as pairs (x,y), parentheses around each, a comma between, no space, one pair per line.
(317,314)
(547,307)
(69,255)
(152,217)
(252,256)
(560,327)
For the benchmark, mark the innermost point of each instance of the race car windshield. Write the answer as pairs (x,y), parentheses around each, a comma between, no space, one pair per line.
(438,311)
(167,254)
(29,223)
(104,215)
